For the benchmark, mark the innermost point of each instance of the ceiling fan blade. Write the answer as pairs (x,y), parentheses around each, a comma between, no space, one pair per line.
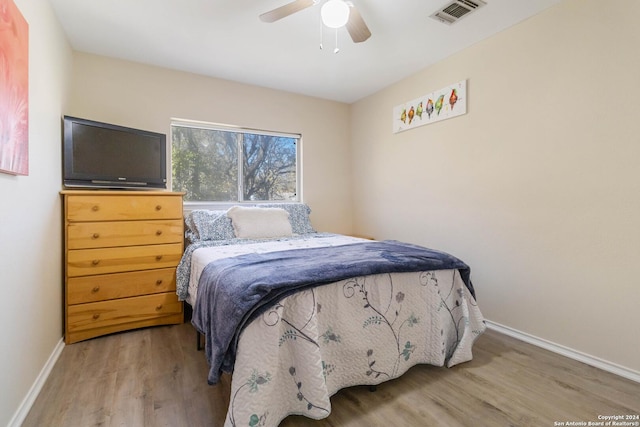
(286,10)
(356,26)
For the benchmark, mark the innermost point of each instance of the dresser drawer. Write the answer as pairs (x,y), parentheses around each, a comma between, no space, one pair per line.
(103,287)
(119,207)
(81,235)
(97,315)
(84,262)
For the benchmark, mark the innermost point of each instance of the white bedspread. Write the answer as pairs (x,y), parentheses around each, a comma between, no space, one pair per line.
(359,331)
(355,332)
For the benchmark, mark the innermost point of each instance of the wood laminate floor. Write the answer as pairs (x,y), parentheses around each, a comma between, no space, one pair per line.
(155,377)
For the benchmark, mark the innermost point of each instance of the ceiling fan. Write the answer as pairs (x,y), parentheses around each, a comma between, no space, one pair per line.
(354,24)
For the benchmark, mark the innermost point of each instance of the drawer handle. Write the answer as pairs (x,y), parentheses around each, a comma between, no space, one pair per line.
(158,282)
(158,207)
(95,289)
(158,257)
(159,307)
(95,235)
(96,316)
(95,208)
(95,262)
(159,233)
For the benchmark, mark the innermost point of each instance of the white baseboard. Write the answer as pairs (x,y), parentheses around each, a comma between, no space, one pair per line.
(30,398)
(567,352)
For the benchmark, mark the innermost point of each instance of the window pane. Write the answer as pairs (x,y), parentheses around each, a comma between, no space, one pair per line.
(204,164)
(269,167)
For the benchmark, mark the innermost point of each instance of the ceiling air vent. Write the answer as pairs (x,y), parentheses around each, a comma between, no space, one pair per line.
(456,10)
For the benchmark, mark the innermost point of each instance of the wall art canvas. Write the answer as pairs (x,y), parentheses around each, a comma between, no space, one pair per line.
(14,90)
(442,104)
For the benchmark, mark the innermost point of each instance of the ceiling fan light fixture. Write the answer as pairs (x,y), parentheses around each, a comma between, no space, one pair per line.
(335,13)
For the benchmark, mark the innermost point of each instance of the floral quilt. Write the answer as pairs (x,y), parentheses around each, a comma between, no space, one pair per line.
(359,331)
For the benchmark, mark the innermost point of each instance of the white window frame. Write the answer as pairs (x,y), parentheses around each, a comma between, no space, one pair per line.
(190,205)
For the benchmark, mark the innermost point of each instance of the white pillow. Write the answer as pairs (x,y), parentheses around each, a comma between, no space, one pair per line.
(259,223)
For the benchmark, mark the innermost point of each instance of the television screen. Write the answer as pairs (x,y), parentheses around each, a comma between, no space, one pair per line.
(105,155)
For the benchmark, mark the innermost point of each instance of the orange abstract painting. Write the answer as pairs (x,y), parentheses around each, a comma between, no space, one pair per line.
(14,90)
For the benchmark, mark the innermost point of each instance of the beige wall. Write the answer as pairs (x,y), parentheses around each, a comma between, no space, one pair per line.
(148,97)
(30,220)
(537,187)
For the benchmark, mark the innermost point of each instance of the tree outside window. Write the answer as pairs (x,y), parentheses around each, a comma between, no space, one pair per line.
(214,164)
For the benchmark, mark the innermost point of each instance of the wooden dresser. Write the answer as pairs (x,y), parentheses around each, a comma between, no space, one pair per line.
(121,253)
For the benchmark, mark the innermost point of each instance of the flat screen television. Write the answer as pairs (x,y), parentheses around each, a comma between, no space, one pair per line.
(99,154)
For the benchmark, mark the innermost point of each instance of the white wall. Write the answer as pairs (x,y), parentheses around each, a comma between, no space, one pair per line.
(537,187)
(31,220)
(147,97)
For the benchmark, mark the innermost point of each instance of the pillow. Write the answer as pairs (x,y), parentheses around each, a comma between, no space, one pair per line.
(190,231)
(259,223)
(298,216)
(204,224)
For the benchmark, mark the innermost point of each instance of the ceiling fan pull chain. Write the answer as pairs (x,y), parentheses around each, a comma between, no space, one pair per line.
(336,50)
(321,25)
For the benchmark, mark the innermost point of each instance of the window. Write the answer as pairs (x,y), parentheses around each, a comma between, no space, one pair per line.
(215,163)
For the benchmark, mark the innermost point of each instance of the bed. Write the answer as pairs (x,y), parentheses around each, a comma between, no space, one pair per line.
(286,310)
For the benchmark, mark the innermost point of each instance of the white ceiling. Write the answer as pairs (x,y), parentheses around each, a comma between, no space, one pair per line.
(225,39)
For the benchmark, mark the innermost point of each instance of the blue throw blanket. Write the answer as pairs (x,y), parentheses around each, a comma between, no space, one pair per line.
(232,291)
